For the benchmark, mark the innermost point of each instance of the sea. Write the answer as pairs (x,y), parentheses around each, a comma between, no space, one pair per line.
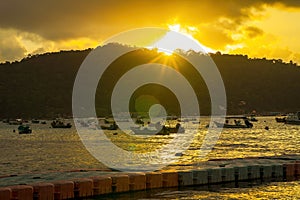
(49,150)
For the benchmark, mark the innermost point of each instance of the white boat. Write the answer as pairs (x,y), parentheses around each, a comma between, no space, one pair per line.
(148,131)
(293,118)
(15,122)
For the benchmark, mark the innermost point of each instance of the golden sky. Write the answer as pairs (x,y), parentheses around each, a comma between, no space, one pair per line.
(258,28)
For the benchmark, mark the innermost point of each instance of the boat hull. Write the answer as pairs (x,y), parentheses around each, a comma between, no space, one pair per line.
(24,129)
(146,131)
(25,132)
(292,122)
(220,125)
(111,127)
(166,130)
(280,120)
(58,124)
(62,126)
(293,118)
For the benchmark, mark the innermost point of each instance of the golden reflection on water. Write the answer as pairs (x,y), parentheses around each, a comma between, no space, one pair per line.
(48,149)
(280,190)
(138,144)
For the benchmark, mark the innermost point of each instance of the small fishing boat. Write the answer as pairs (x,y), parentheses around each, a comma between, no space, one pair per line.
(280,119)
(158,130)
(24,129)
(293,118)
(235,122)
(60,124)
(149,131)
(5,120)
(253,119)
(106,124)
(35,121)
(139,121)
(15,122)
(177,129)
(112,126)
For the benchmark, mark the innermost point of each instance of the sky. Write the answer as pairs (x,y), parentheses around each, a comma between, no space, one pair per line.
(257,28)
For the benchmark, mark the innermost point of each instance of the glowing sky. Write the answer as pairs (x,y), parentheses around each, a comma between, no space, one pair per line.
(258,28)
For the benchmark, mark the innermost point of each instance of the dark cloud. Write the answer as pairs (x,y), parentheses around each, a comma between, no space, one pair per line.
(58,20)
(252,31)
(289,3)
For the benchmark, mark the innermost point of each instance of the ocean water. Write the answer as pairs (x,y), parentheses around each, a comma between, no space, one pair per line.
(48,149)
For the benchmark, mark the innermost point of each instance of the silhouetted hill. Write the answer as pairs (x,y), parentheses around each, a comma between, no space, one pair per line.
(40,86)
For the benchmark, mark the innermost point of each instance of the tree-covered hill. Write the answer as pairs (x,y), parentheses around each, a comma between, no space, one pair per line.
(40,86)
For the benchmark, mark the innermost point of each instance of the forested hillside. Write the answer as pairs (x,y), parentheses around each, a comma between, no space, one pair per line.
(40,86)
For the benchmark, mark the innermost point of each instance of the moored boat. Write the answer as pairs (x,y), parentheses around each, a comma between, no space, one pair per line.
(148,131)
(253,119)
(24,129)
(158,130)
(60,124)
(177,129)
(293,118)
(106,124)
(112,126)
(139,121)
(35,121)
(280,119)
(235,122)
(15,122)
(5,120)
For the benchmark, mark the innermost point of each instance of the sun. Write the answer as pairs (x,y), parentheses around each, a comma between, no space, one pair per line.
(174,27)
(172,41)
(166,52)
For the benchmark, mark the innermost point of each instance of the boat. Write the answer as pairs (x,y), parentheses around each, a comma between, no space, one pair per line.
(253,119)
(158,130)
(5,120)
(235,122)
(177,129)
(106,124)
(35,121)
(149,131)
(293,118)
(112,126)
(280,119)
(24,129)
(15,122)
(139,121)
(43,122)
(60,124)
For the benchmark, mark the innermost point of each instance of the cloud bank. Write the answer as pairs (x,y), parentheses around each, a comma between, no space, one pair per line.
(52,25)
